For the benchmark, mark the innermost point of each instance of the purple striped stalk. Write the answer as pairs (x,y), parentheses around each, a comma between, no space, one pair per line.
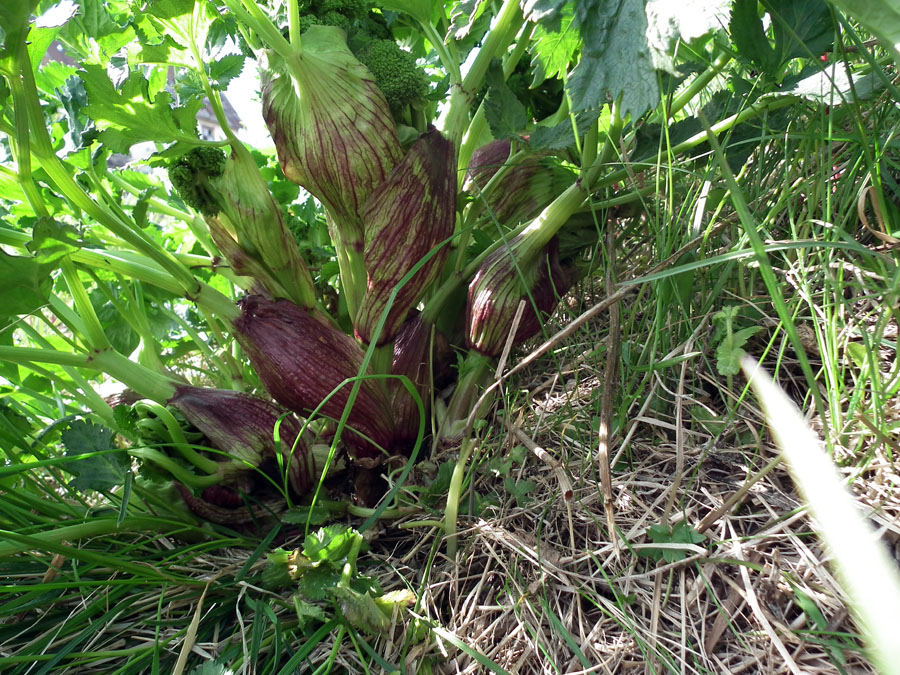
(413,356)
(301,360)
(406,216)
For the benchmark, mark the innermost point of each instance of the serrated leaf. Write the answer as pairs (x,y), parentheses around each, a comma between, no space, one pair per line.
(616,59)
(225,69)
(101,471)
(73,98)
(126,418)
(331,543)
(546,12)
(552,51)
(519,490)
(802,28)
(749,36)
(316,583)
(128,116)
(360,610)
(307,611)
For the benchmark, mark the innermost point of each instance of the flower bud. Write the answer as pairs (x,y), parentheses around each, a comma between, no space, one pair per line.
(523,190)
(301,360)
(415,353)
(502,281)
(243,427)
(331,125)
(254,219)
(406,216)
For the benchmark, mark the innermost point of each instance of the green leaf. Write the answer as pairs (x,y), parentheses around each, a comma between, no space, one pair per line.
(616,59)
(360,610)
(519,490)
(315,583)
(547,12)
(731,350)
(212,668)
(117,330)
(562,135)
(128,116)
(126,418)
(856,352)
(802,28)
(73,98)
(24,284)
(505,114)
(682,533)
(421,10)
(225,69)
(463,16)
(307,612)
(749,36)
(552,51)
(331,543)
(51,240)
(402,598)
(104,467)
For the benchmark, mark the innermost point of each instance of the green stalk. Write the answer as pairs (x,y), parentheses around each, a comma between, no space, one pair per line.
(178,472)
(12,543)
(25,95)
(176,434)
(294,22)
(83,391)
(67,317)
(154,203)
(448,60)
(249,13)
(472,139)
(21,146)
(93,334)
(352,266)
(137,267)
(219,366)
(698,84)
(506,26)
(195,223)
(146,382)
(454,493)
